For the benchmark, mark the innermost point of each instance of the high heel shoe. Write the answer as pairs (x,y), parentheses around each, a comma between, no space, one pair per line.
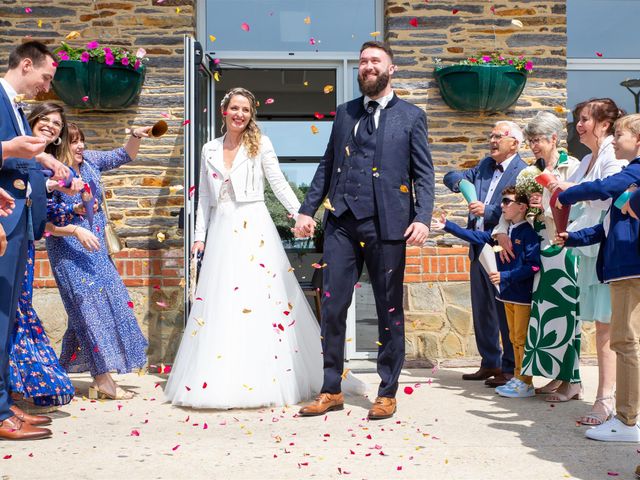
(96,394)
(573,392)
(598,418)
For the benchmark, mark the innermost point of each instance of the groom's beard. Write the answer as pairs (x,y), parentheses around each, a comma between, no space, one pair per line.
(371,88)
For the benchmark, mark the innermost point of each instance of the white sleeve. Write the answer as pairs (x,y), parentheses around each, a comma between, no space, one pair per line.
(501,227)
(277,180)
(203,211)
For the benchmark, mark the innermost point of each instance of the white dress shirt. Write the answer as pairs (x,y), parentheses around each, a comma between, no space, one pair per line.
(383,102)
(497,175)
(11,93)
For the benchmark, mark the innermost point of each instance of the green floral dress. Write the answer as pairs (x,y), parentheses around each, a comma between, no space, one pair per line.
(552,349)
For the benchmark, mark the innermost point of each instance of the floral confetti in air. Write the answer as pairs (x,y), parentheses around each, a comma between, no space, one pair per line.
(375,34)
(319,115)
(599,54)
(246,310)
(135,433)
(404,189)
(72,35)
(413,22)
(27,10)
(186,122)
(85,98)
(39,23)
(314,129)
(160,236)
(130,304)
(212,38)
(192,190)
(176,447)
(454,11)
(245,26)
(312,41)
(328,89)
(307,20)
(517,23)
(269,101)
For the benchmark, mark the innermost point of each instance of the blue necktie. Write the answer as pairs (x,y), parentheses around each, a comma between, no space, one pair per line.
(367,123)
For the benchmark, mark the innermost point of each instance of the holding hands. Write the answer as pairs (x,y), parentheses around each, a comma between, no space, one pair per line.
(560,239)
(305,226)
(438,224)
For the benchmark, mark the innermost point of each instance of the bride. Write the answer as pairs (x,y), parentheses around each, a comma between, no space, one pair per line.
(251,339)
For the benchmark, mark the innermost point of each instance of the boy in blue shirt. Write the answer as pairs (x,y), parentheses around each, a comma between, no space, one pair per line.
(515,279)
(619,265)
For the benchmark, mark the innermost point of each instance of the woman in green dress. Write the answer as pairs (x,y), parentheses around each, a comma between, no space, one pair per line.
(553,338)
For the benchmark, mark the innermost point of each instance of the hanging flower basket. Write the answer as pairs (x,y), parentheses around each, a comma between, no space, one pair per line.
(98,77)
(489,84)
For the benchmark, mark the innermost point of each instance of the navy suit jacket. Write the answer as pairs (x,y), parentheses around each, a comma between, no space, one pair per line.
(480,176)
(18,169)
(403,178)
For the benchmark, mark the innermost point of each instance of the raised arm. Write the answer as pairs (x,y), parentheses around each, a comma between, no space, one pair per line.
(610,187)
(586,236)
(476,237)
(452,179)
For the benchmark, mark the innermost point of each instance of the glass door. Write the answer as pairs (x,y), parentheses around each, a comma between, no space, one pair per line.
(198,101)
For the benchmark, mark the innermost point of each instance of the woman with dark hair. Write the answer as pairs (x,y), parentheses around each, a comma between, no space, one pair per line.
(594,120)
(35,373)
(103,334)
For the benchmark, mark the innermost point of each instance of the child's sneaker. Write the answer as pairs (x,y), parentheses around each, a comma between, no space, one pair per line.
(517,389)
(507,385)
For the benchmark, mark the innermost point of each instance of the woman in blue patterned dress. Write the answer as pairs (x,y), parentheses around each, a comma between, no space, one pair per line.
(35,373)
(103,334)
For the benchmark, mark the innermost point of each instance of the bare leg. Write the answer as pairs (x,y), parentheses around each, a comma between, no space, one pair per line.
(603,406)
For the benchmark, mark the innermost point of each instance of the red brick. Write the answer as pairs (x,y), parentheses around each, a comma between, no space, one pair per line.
(451,264)
(414,260)
(457,277)
(412,269)
(412,278)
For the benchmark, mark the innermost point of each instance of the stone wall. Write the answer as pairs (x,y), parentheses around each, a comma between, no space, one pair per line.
(140,198)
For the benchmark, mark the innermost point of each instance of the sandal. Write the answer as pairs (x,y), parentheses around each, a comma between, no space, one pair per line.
(551,387)
(598,418)
(96,394)
(571,394)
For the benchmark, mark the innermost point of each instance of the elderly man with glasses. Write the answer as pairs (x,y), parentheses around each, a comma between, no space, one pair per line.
(490,177)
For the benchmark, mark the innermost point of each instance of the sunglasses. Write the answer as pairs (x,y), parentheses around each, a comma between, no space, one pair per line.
(507,201)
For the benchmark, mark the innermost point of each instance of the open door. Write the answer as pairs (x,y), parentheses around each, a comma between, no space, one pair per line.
(198,111)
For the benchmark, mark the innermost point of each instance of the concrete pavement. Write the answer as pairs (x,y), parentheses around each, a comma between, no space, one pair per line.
(445,429)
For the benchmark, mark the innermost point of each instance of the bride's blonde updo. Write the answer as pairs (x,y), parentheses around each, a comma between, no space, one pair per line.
(251,135)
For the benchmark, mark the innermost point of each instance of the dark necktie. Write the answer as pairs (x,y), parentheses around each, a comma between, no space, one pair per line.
(367,123)
(499,167)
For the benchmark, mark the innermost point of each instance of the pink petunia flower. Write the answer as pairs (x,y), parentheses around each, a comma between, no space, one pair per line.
(528,66)
(510,62)
(124,61)
(92,45)
(109,59)
(84,57)
(136,65)
(107,51)
(62,55)
(486,59)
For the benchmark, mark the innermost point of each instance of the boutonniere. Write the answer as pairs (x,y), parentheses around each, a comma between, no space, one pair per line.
(18,100)
(517,241)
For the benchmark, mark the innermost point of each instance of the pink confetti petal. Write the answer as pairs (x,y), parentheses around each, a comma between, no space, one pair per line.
(599,54)
(130,304)
(85,98)
(408,390)
(176,447)
(269,101)
(186,122)
(27,10)
(413,22)
(192,190)
(162,304)
(245,26)
(135,433)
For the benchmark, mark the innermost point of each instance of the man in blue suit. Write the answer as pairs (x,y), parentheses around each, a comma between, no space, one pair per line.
(490,177)
(377,177)
(31,69)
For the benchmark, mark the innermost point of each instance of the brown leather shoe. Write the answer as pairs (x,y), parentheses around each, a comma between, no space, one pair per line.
(325,402)
(384,407)
(482,374)
(36,420)
(638,471)
(13,428)
(498,380)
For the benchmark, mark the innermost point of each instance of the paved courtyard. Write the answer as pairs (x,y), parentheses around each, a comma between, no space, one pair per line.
(445,429)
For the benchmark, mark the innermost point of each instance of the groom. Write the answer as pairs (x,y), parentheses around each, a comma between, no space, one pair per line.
(377,178)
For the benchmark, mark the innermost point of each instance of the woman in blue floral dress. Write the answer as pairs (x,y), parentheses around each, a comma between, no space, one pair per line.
(35,373)
(103,334)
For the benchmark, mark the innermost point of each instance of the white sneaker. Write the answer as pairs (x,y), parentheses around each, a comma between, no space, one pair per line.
(517,389)
(614,431)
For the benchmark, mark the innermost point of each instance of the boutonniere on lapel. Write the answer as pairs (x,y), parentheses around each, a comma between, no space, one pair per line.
(404,189)
(517,241)
(19,101)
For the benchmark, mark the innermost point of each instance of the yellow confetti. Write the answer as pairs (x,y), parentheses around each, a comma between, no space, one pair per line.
(291,269)
(246,310)
(517,23)
(378,343)
(39,23)
(182,283)
(216,76)
(328,88)
(346,149)
(244,225)
(349,339)
(306,84)
(219,357)
(251,258)
(559,109)
(362,244)
(404,189)
(314,129)
(199,321)
(194,333)
(261,243)
(178,10)
(375,34)
(345,373)
(212,38)
(307,20)
(173,189)
(327,204)
(160,236)
(72,35)
(374,168)
(290,305)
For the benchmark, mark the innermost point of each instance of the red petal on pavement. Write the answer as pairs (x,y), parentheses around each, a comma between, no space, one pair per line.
(176,447)
(205,426)
(408,390)
(204,385)
(135,433)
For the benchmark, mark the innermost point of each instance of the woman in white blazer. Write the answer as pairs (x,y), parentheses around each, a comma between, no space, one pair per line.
(251,339)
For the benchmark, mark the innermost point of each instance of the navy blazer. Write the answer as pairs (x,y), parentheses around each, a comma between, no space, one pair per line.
(516,277)
(403,177)
(480,176)
(17,172)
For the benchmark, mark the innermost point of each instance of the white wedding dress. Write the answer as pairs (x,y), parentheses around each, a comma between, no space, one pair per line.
(252,339)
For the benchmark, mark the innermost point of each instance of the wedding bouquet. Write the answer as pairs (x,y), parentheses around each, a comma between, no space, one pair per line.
(526,184)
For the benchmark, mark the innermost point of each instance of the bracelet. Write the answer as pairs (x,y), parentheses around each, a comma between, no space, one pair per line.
(74,230)
(133,134)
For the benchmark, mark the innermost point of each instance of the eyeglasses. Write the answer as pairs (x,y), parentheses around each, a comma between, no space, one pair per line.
(498,136)
(532,142)
(47,121)
(507,201)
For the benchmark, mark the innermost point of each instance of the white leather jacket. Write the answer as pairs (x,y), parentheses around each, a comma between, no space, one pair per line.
(246,176)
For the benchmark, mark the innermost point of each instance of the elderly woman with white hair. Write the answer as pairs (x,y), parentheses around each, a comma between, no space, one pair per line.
(552,348)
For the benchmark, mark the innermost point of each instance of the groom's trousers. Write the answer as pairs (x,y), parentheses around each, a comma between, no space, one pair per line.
(348,245)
